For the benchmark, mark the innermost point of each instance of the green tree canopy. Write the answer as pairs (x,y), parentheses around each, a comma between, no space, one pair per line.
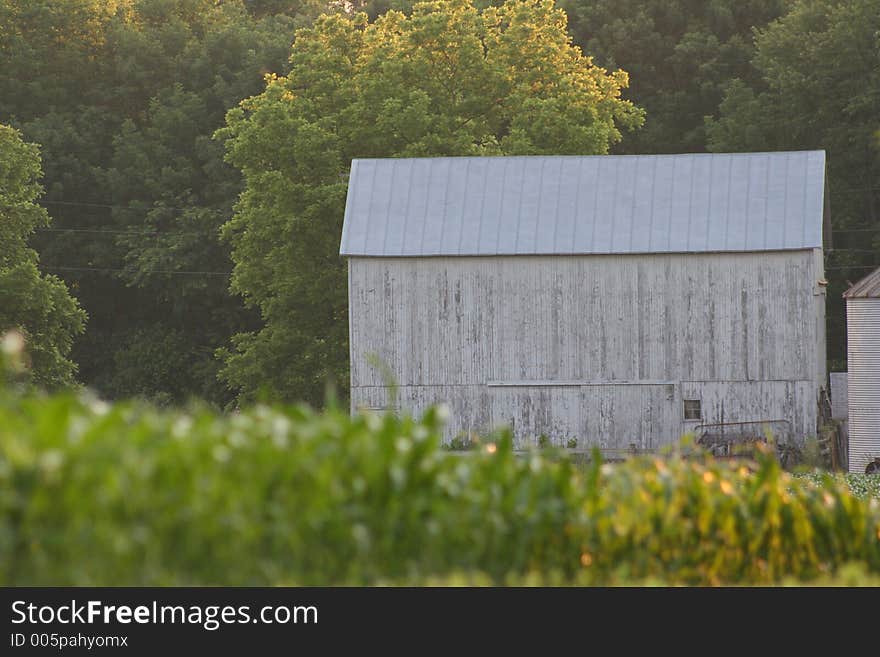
(681,55)
(448,79)
(123,97)
(818,87)
(40,306)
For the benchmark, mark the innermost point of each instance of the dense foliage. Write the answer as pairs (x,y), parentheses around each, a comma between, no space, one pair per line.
(126,494)
(446,80)
(38,306)
(818,86)
(681,56)
(123,97)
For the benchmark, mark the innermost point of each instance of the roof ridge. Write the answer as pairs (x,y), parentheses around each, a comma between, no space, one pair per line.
(866,288)
(591,155)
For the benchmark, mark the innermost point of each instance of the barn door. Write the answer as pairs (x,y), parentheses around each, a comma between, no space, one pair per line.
(626,416)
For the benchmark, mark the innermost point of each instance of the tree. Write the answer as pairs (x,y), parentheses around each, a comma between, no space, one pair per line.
(172,191)
(681,55)
(818,87)
(447,80)
(304,11)
(123,96)
(40,306)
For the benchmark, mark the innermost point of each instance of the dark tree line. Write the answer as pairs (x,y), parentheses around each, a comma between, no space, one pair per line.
(124,98)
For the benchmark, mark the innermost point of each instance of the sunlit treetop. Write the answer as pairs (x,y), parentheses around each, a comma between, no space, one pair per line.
(447,79)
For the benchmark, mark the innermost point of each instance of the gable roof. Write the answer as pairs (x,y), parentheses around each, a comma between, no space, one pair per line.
(867,288)
(460,206)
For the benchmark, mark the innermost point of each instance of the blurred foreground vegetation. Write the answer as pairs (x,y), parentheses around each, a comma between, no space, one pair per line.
(128,494)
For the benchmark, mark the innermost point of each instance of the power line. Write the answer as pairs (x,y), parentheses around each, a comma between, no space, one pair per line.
(144,271)
(854,267)
(97,230)
(223,273)
(114,231)
(125,207)
(855,189)
(151,232)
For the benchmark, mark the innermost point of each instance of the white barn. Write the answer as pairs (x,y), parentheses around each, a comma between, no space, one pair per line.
(618,300)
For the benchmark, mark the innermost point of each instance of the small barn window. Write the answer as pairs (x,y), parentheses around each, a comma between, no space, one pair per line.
(692,410)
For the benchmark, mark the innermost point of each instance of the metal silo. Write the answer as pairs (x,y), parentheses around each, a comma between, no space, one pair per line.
(863,358)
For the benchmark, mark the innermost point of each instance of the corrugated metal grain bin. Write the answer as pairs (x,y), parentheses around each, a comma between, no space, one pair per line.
(863,358)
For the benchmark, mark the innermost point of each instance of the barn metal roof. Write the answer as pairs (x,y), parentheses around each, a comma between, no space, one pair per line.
(867,288)
(459,206)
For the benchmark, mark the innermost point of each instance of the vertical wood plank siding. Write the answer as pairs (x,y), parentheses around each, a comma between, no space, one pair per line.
(599,348)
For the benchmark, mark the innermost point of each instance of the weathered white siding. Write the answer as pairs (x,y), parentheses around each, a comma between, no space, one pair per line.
(863,362)
(601,348)
(839,401)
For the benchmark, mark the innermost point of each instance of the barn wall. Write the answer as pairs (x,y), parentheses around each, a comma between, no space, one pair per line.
(820,295)
(602,348)
(610,416)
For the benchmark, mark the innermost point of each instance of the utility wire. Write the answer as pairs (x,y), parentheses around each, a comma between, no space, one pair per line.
(856,189)
(114,231)
(126,207)
(146,271)
(223,273)
(854,267)
(158,233)
(835,231)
